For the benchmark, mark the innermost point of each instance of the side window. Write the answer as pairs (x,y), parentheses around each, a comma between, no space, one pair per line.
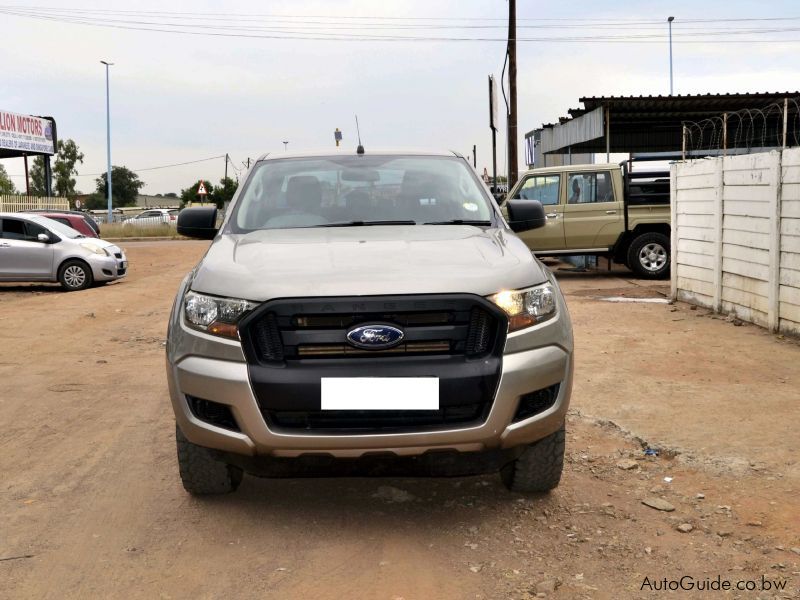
(589,187)
(13,229)
(64,221)
(543,188)
(33,230)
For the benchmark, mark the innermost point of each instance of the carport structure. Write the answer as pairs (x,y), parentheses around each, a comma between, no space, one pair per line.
(696,125)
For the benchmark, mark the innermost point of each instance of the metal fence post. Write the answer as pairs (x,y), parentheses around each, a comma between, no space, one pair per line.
(785,119)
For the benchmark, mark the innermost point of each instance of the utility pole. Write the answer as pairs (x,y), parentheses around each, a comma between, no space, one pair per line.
(512,93)
(670,20)
(108,145)
(226,166)
(474,156)
(493,127)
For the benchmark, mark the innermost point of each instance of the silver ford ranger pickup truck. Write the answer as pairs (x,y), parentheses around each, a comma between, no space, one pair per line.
(368,313)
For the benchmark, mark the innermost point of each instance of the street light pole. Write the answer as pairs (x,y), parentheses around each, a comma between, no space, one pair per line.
(670,20)
(285,145)
(108,143)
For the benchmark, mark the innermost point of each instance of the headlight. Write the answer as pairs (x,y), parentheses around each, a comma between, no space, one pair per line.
(95,248)
(527,307)
(217,316)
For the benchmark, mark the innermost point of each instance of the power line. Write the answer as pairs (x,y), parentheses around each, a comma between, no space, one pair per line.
(189,162)
(249,16)
(271,33)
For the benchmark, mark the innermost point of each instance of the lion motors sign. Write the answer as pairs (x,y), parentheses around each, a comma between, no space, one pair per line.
(25,134)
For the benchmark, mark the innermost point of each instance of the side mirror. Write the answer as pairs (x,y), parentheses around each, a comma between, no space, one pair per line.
(44,238)
(199,222)
(524,215)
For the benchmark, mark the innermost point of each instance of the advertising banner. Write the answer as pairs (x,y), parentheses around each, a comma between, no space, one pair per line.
(26,134)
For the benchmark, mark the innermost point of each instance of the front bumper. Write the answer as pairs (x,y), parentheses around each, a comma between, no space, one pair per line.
(227,382)
(109,268)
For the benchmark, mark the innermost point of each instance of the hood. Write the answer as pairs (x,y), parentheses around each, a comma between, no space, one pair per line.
(366,261)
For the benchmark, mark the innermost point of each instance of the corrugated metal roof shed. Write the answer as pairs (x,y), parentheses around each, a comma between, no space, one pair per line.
(654,123)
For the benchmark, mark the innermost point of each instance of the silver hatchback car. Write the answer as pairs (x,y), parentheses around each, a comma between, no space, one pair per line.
(35,248)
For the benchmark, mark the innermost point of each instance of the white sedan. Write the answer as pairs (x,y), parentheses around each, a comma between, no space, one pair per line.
(154,217)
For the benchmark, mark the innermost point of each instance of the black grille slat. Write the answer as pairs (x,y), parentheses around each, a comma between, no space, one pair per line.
(343,421)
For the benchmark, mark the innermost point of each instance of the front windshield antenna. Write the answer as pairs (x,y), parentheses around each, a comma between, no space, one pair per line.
(360,149)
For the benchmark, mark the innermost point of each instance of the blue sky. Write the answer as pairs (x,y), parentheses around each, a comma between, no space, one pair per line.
(179,98)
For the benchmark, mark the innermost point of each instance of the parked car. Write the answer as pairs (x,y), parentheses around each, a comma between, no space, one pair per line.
(77,221)
(91,221)
(153,217)
(602,210)
(36,248)
(394,315)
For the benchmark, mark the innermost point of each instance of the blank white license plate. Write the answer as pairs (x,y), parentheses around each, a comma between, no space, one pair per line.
(380,393)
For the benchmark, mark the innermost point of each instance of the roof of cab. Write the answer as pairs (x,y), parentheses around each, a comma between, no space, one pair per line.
(574,168)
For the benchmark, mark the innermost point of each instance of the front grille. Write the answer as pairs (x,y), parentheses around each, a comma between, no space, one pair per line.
(354,421)
(301,330)
(291,345)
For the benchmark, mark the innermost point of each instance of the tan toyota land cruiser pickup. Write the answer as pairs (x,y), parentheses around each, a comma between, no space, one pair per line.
(601,210)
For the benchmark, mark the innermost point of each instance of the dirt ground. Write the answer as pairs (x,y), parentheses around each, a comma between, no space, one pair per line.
(91,505)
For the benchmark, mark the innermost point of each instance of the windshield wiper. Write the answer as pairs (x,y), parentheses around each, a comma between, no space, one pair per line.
(366,223)
(476,223)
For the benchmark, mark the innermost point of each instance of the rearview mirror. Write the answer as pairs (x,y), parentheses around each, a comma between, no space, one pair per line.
(525,215)
(199,222)
(368,175)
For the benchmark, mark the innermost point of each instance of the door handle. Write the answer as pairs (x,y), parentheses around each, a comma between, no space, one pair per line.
(611,212)
(551,215)
(5,245)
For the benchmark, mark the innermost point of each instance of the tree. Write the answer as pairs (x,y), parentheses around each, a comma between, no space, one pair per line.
(6,185)
(64,168)
(224,191)
(190,193)
(37,178)
(125,186)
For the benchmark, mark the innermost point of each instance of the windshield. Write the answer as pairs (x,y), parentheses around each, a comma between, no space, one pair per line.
(59,228)
(360,190)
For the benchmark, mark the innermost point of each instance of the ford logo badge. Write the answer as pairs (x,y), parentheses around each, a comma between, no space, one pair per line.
(375,337)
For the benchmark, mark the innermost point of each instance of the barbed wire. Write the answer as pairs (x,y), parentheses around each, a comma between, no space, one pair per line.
(745,130)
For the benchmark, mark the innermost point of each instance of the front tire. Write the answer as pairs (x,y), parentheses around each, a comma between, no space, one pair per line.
(539,467)
(75,275)
(202,473)
(649,256)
